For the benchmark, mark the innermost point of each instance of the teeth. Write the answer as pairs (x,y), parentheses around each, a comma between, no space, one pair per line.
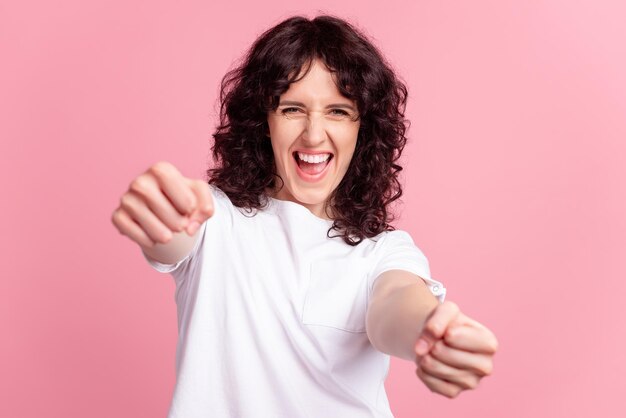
(319,158)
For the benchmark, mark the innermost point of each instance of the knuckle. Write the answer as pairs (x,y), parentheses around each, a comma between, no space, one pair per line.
(452,334)
(115,217)
(190,202)
(165,236)
(452,391)
(180,225)
(494,345)
(432,327)
(160,169)
(468,383)
(206,209)
(139,185)
(126,201)
(488,369)
(430,362)
(437,349)
(452,306)
(159,239)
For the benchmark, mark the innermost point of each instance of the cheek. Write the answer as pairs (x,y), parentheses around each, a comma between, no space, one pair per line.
(349,149)
(282,136)
(278,138)
(346,164)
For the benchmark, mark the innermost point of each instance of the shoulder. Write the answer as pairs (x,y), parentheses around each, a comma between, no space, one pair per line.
(234,213)
(396,250)
(224,208)
(218,194)
(395,239)
(397,235)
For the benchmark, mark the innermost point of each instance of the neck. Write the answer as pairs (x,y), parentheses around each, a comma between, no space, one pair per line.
(316,209)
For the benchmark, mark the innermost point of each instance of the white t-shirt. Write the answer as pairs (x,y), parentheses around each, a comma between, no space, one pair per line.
(271,316)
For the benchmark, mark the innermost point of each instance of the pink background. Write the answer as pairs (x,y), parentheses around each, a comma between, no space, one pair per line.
(514,189)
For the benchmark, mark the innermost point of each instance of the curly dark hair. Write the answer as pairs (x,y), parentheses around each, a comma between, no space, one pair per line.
(245,161)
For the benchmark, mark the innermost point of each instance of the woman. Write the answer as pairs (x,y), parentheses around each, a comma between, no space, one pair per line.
(276,316)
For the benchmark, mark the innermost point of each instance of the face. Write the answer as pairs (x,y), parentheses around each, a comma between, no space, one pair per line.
(313,132)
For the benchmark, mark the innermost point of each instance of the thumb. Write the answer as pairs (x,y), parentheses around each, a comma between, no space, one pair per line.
(436,325)
(424,344)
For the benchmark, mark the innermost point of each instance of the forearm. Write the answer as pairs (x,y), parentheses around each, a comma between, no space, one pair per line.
(395,319)
(177,248)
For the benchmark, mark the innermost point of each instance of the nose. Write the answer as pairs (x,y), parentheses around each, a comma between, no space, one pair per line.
(315,129)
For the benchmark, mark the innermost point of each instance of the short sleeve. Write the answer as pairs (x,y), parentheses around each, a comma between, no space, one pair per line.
(399,252)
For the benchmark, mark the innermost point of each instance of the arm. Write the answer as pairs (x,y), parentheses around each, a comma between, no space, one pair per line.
(458,350)
(397,311)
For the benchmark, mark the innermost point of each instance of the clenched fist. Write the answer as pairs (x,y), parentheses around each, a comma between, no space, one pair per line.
(160,202)
(454,352)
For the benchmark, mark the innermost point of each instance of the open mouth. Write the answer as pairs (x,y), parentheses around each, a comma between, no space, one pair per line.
(311,168)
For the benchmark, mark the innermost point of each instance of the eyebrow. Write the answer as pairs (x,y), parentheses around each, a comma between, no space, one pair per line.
(292,103)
